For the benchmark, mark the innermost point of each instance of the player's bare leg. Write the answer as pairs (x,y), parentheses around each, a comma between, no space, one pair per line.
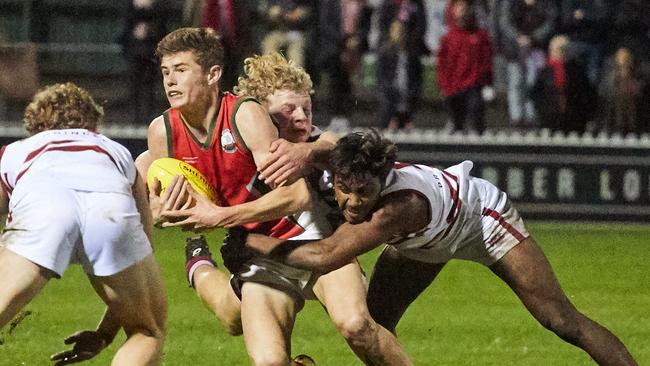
(20,281)
(527,271)
(137,297)
(343,293)
(213,287)
(268,316)
(404,279)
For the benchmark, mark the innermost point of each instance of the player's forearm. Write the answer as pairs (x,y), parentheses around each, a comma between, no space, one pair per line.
(321,148)
(318,256)
(281,202)
(108,326)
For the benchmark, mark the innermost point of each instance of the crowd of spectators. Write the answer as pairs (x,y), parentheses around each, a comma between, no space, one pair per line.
(565,65)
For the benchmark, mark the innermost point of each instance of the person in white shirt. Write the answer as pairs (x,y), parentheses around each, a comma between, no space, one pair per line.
(427,217)
(72,195)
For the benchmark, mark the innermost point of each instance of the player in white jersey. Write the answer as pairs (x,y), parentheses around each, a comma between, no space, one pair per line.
(428,217)
(73,195)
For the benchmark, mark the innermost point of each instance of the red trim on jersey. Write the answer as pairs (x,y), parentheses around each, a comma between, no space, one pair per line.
(455,208)
(497,216)
(2,151)
(398,165)
(35,153)
(73,148)
(5,183)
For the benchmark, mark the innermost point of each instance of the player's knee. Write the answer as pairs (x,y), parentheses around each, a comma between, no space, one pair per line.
(357,328)
(565,323)
(269,358)
(152,331)
(232,326)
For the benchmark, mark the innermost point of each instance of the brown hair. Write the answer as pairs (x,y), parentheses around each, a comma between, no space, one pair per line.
(61,106)
(263,75)
(203,42)
(360,156)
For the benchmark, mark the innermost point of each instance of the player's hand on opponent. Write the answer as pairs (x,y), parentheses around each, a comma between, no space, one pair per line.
(203,215)
(87,344)
(287,162)
(175,197)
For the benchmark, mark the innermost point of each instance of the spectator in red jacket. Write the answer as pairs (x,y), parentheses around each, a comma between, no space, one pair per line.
(465,65)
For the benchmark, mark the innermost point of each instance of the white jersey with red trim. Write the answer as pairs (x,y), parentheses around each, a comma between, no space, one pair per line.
(74,158)
(469,217)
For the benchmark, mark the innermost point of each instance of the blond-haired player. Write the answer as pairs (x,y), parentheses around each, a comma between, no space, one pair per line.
(73,195)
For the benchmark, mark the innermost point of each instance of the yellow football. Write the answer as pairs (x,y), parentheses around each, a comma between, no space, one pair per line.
(165,169)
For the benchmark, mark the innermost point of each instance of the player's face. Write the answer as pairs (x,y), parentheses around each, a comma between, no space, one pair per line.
(185,82)
(292,112)
(356,200)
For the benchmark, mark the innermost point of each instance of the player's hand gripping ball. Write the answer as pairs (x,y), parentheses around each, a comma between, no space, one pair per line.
(165,169)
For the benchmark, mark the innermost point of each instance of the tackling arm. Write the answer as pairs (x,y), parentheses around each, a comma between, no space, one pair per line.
(349,240)
(288,161)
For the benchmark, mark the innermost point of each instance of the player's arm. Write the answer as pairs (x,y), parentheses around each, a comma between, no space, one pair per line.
(157,139)
(205,214)
(157,148)
(349,240)
(142,203)
(288,160)
(89,343)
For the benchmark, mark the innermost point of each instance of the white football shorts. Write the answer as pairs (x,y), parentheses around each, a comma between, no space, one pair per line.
(52,226)
(498,228)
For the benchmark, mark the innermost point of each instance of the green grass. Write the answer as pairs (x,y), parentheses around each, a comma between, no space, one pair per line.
(467,317)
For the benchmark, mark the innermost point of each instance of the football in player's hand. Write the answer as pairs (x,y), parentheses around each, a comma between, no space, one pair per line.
(165,169)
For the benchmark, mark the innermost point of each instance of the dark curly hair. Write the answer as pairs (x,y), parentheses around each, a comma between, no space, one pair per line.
(205,43)
(360,156)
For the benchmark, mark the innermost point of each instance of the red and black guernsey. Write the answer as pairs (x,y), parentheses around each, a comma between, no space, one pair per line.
(225,160)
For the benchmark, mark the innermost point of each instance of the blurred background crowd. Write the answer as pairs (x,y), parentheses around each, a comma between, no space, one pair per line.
(461,65)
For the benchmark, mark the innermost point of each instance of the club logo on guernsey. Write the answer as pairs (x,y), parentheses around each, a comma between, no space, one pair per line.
(228,142)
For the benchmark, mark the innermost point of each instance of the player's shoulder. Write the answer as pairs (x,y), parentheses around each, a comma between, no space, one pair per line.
(157,128)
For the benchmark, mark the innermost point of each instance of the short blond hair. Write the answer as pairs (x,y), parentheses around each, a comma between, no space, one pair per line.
(61,106)
(559,43)
(265,74)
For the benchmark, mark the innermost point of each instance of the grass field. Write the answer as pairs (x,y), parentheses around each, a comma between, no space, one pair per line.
(467,317)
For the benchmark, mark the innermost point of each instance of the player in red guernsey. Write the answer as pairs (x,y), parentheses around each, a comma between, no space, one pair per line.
(233,137)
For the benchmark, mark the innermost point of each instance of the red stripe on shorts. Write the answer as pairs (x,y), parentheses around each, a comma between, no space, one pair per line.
(502,221)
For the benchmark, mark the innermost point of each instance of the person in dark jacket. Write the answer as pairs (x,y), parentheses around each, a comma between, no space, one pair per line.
(287,23)
(343,27)
(402,26)
(526,26)
(465,65)
(563,95)
(623,93)
(145,25)
(585,23)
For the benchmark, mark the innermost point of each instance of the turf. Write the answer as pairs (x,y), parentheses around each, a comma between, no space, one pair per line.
(467,317)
